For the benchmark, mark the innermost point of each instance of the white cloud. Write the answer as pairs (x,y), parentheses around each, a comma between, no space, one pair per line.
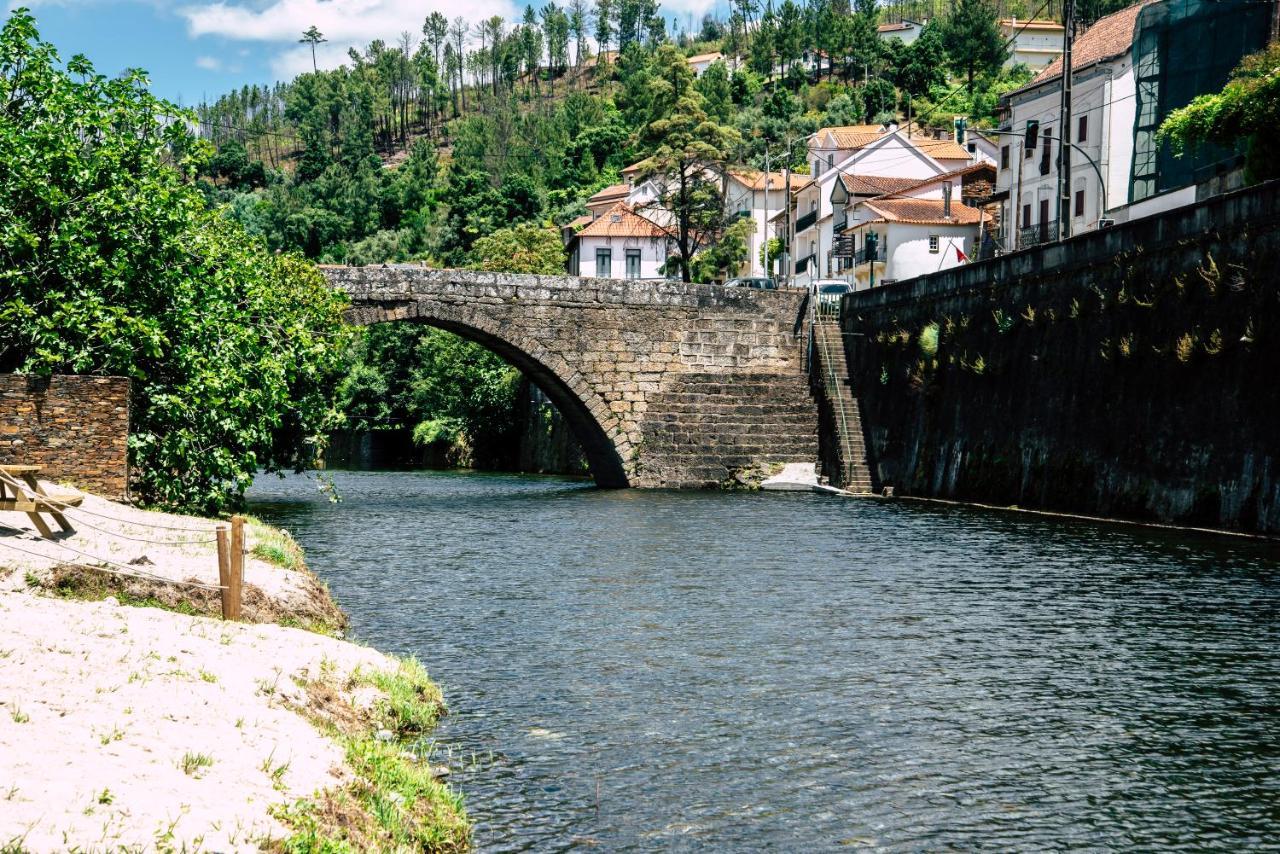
(347,21)
(209,63)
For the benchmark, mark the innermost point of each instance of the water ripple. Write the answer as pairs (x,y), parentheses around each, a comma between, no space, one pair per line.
(645,670)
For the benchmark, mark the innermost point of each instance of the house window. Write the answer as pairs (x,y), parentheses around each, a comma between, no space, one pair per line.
(604,264)
(1082,129)
(1079,203)
(831,160)
(1033,134)
(933,243)
(1026,215)
(1004,157)
(633,263)
(1044,152)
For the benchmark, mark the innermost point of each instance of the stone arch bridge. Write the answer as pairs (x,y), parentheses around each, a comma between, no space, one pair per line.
(664,384)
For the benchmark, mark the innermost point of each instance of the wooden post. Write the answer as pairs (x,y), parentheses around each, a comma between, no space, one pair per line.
(224,571)
(237,564)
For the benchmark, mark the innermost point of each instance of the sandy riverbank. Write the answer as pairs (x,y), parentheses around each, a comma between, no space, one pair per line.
(141,728)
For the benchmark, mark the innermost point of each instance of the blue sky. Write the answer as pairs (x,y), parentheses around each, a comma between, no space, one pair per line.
(198,48)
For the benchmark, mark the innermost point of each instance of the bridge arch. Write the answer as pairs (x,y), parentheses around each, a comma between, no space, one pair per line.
(598,432)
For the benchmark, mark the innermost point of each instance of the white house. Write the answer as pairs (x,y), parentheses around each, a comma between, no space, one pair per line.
(760,196)
(904,31)
(1101,136)
(620,244)
(913,237)
(1035,43)
(874,152)
(699,63)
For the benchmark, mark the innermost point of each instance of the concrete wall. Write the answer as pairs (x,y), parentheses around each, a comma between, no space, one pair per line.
(664,384)
(1128,372)
(75,428)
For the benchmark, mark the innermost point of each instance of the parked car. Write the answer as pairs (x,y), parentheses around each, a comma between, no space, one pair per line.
(759,282)
(816,286)
(829,294)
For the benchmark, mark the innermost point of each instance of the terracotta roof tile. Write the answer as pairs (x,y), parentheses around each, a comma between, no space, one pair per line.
(875,185)
(610,193)
(705,57)
(893,28)
(923,211)
(854,136)
(941,149)
(585,219)
(755,179)
(1110,37)
(621,221)
(1014,23)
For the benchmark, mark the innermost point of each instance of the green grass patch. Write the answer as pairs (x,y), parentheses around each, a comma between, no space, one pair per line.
(274,546)
(413,703)
(395,802)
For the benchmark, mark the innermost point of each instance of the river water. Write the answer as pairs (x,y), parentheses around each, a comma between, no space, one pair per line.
(639,671)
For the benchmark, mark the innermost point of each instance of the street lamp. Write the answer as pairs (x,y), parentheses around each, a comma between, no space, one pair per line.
(1102,184)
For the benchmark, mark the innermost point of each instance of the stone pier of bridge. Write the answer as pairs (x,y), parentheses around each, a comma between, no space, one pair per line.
(665,384)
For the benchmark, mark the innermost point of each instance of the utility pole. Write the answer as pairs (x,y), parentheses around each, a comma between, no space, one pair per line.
(767,261)
(1064,123)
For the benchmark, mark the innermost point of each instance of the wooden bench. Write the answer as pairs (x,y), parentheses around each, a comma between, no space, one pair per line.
(21,492)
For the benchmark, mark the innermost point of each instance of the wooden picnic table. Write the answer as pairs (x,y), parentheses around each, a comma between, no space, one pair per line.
(32,499)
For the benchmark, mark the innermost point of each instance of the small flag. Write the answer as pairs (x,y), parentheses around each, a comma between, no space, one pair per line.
(961,258)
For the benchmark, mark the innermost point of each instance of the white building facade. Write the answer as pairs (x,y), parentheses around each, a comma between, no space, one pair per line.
(864,152)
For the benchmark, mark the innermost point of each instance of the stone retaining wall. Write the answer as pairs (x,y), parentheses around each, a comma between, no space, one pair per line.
(1128,373)
(76,428)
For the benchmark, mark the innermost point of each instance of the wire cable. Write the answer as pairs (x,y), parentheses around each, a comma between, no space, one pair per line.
(123,569)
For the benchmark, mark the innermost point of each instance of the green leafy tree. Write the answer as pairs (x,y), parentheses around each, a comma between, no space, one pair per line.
(973,40)
(1246,110)
(523,248)
(111,263)
(688,161)
(974,43)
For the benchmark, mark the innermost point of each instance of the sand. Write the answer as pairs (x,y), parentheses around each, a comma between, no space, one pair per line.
(102,705)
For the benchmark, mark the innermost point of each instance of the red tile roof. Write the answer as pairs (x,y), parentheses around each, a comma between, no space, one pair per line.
(940,149)
(923,211)
(875,185)
(610,194)
(755,180)
(1110,37)
(621,221)
(893,28)
(853,136)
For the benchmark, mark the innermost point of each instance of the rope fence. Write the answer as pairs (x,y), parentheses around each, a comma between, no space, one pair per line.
(229,542)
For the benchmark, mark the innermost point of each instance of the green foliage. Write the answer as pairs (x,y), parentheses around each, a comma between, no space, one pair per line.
(1247,109)
(972,36)
(520,249)
(111,262)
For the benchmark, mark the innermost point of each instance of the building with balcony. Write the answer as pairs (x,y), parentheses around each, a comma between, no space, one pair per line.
(1129,71)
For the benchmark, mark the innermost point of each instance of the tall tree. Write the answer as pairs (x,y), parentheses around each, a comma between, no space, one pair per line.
(688,161)
(313,37)
(604,26)
(578,27)
(974,43)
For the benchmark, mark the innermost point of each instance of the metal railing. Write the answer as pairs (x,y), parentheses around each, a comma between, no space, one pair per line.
(803,264)
(1045,232)
(830,382)
(806,221)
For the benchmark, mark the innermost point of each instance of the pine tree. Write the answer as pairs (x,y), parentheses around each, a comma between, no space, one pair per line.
(974,44)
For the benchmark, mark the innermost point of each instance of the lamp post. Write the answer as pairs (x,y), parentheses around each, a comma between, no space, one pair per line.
(788,144)
(1064,210)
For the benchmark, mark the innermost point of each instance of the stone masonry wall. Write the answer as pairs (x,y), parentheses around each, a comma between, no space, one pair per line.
(1128,373)
(664,384)
(76,428)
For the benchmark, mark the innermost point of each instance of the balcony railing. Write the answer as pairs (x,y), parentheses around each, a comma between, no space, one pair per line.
(806,221)
(803,263)
(1045,232)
